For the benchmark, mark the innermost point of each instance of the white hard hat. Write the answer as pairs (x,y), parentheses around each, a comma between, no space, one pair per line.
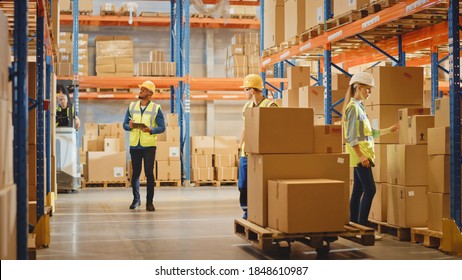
(363,78)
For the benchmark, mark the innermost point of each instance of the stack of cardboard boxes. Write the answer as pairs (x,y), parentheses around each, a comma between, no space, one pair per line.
(202,148)
(439,167)
(65,54)
(85,6)
(293,188)
(7,187)
(103,152)
(156,66)
(114,56)
(346,6)
(243,55)
(224,158)
(242,11)
(168,164)
(274,23)
(294,18)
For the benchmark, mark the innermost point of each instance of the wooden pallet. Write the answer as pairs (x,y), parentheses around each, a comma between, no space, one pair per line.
(400,233)
(225,182)
(148,14)
(345,18)
(428,238)
(112,90)
(86,13)
(105,184)
(313,32)
(202,183)
(238,16)
(174,183)
(107,13)
(285,45)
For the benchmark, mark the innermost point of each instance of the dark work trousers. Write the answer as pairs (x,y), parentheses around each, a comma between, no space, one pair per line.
(147,154)
(362,195)
(242,184)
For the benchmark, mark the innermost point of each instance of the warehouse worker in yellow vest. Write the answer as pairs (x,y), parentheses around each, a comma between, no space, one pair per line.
(253,86)
(144,119)
(63,112)
(359,138)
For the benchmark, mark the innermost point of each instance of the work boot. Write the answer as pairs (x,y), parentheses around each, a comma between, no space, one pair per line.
(150,207)
(135,204)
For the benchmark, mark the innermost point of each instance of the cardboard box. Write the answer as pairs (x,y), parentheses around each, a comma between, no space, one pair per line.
(167,150)
(403,119)
(274,27)
(262,168)
(104,129)
(201,161)
(172,119)
(313,97)
(253,61)
(253,70)
(65,5)
(85,5)
(225,145)
(439,179)
(237,61)
(383,116)
(252,38)
(380,170)
(442,109)
(379,204)
(117,128)
(340,82)
(439,207)
(202,174)
(105,61)
(222,160)
(405,164)
(236,72)
(233,50)
(158,68)
(327,139)
(294,133)
(8,226)
(157,55)
(396,85)
(290,98)
(438,141)
(173,133)
(315,12)
(345,6)
(91,128)
(202,145)
(306,205)
(106,166)
(107,68)
(127,68)
(64,69)
(238,39)
(407,206)
(168,170)
(418,126)
(226,173)
(298,76)
(252,49)
(111,145)
(294,18)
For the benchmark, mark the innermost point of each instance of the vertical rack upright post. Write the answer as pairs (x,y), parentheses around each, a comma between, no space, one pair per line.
(187,97)
(75,66)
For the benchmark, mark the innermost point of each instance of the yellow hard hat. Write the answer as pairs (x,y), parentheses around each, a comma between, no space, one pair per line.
(148,85)
(253,81)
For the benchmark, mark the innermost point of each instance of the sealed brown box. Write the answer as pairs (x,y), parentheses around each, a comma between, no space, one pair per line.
(172,119)
(104,129)
(379,171)
(105,61)
(157,68)
(290,98)
(64,69)
(106,166)
(173,133)
(405,164)
(262,168)
(439,179)
(202,145)
(238,39)
(253,70)
(383,116)
(117,128)
(274,27)
(127,68)
(403,119)
(313,96)
(168,170)
(438,141)
(407,206)
(202,174)
(201,161)
(167,150)
(252,49)
(252,38)
(327,139)
(340,82)
(294,18)
(228,173)
(100,143)
(108,68)
(298,76)
(418,126)
(345,6)
(439,207)
(442,109)
(396,85)
(156,55)
(306,205)
(315,12)
(379,203)
(225,160)
(85,5)
(237,61)
(111,145)
(294,133)
(91,128)
(253,60)
(225,145)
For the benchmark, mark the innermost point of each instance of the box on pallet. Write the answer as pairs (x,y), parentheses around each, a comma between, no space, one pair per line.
(345,6)
(202,145)
(106,166)
(407,206)
(225,145)
(439,179)
(226,173)
(168,170)
(315,12)
(294,18)
(438,208)
(405,164)
(167,150)
(202,174)
(223,160)
(85,5)
(274,29)
(172,133)
(306,205)
(201,160)
(379,203)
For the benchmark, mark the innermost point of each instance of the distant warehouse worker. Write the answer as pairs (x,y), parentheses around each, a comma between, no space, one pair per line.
(253,86)
(359,137)
(63,112)
(144,119)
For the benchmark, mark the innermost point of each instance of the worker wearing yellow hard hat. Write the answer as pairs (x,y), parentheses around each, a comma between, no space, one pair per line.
(144,119)
(253,86)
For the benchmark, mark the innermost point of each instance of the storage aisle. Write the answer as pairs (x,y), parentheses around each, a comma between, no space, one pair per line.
(189,224)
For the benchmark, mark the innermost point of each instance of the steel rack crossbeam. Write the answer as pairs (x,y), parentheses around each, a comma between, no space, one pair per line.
(340,69)
(378,49)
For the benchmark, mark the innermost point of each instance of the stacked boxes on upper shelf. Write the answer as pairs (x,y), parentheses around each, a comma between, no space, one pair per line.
(274,23)
(243,55)
(168,164)
(65,54)
(114,56)
(242,11)
(103,152)
(156,66)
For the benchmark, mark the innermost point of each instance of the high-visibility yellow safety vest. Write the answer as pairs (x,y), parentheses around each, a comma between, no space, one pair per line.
(264,103)
(364,133)
(146,139)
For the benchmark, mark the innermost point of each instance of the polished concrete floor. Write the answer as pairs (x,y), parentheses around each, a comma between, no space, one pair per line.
(188,224)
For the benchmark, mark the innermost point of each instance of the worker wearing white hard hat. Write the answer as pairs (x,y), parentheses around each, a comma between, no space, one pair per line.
(359,138)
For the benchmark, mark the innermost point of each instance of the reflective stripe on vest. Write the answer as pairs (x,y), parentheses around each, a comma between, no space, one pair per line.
(264,103)
(363,133)
(145,139)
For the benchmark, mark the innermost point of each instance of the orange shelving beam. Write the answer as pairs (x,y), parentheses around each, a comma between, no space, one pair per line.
(86,20)
(235,2)
(158,96)
(372,21)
